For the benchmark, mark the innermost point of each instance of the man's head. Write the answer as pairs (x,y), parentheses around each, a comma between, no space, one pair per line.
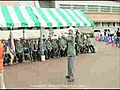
(70,30)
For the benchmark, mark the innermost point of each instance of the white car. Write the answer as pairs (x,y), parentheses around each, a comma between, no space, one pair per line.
(97,33)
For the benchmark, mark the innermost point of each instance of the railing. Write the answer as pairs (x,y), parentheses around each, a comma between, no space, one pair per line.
(92,8)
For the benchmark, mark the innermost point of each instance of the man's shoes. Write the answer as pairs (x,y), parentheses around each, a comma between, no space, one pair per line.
(67,76)
(71,80)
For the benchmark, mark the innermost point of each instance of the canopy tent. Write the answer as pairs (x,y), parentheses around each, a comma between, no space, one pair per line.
(25,17)
(20,16)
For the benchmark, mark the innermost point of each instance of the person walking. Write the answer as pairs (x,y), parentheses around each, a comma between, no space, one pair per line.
(2,84)
(71,53)
(118,37)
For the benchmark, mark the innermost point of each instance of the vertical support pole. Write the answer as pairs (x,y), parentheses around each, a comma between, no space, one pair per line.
(23,44)
(41,45)
(23,33)
(41,41)
(60,31)
(50,32)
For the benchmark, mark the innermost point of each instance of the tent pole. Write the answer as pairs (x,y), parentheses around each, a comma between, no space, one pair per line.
(50,33)
(23,44)
(51,30)
(41,45)
(23,34)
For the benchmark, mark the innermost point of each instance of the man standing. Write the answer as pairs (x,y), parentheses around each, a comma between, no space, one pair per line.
(71,53)
(2,85)
(118,37)
(77,38)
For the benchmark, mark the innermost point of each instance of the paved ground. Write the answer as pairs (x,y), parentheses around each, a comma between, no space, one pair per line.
(98,70)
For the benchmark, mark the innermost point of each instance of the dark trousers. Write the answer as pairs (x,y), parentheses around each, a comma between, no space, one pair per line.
(34,53)
(77,49)
(92,49)
(53,52)
(38,55)
(46,54)
(15,59)
(6,58)
(66,51)
(20,57)
(85,49)
(80,49)
(62,53)
(49,53)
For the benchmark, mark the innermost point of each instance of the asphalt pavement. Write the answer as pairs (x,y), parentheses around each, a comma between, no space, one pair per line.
(92,70)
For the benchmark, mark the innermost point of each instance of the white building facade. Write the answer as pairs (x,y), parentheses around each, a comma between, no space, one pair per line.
(105,14)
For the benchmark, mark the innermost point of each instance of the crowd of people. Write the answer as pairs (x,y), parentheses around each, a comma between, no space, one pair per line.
(113,38)
(30,49)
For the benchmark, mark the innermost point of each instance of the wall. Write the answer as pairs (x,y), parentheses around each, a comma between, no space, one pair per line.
(27,3)
(10,3)
(102,3)
(104,17)
(19,34)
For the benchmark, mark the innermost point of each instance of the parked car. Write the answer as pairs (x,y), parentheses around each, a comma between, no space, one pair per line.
(97,33)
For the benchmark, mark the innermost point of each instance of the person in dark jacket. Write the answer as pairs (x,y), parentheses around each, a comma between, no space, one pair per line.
(118,37)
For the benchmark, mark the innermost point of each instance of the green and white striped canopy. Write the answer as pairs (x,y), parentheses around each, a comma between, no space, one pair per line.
(20,16)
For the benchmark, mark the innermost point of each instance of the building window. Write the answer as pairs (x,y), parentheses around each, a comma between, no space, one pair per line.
(104,24)
(65,7)
(81,7)
(64,4)
(97,24)
(105,8)
(115,9)
(92,8)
